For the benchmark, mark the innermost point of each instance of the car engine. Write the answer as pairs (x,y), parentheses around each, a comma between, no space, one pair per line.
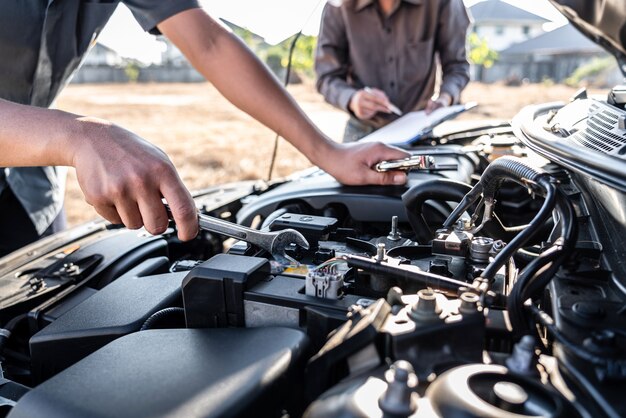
(493,284)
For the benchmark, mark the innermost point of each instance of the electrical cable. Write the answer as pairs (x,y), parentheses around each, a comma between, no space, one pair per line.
(292,48)
(539,272)
(523,237)
(7,330)
(159,316)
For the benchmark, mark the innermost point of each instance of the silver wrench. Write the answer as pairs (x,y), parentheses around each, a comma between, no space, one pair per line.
(273,242)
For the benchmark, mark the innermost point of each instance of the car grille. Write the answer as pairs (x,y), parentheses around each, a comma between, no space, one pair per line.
(601,132)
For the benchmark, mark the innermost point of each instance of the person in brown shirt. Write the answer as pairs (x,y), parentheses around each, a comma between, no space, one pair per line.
(375,53)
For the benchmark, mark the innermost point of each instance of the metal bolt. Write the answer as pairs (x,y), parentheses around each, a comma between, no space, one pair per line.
(394,235)
(399,399)
(426,308)
(469,303)
(498,245)
(380,252)
(464,224)
(479,249)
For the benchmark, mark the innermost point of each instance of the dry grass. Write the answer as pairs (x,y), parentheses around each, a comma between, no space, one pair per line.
(210,141)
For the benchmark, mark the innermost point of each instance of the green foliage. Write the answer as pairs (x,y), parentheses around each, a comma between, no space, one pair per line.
(596,67)
(479,52)
(278,55)
(132,71)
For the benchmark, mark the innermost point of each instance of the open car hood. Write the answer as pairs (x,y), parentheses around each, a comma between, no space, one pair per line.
(603,21)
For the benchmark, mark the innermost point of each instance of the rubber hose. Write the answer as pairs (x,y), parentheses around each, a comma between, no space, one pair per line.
(532,279)
(416,196)
(508,168)
(520,239)
(504,168)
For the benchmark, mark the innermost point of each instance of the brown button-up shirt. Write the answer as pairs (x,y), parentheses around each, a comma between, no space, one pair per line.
(360,47)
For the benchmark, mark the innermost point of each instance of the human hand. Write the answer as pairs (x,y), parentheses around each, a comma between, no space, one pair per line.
(444,100)
(124,178)
(352,164)
(365,103)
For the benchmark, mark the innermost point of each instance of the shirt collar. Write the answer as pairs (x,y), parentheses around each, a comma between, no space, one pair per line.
(361,4)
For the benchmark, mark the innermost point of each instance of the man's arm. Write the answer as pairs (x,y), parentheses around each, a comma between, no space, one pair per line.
(331,59)
(232,68)
(451,45)
(331,68)
(122,176)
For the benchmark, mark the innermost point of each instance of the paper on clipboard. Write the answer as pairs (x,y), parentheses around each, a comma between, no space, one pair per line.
(412,126)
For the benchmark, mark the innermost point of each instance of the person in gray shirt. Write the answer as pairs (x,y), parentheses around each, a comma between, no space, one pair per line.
(124,177)
(372,54)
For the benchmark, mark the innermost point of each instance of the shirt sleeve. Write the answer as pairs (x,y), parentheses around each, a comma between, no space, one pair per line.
(149,13)
(451,38)
(332,59)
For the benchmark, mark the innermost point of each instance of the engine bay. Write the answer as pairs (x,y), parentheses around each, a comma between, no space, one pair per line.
(493,284)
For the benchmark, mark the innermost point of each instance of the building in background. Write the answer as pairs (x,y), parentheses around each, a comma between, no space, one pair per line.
(503,24)
(555,55)
(527,52)
(101,65)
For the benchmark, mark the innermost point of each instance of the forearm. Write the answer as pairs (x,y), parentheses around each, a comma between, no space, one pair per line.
(336,91)
(451,45)
(243,79)
(454,82)
(31,136)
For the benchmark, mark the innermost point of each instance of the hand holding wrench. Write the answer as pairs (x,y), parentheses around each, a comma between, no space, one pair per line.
(273,242)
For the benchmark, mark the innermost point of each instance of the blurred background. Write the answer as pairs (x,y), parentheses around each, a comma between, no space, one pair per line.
(521,53)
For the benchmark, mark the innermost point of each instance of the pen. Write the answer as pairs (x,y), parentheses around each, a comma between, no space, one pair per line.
(393,108)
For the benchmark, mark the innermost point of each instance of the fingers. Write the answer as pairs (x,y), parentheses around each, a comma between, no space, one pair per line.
(389,178)
(153,213)
(129,213)
(375,104)
(182,206)
(109,213)
(378,96)
(124,178)
(353,164)
(367,102)
(443,101)
(381,152)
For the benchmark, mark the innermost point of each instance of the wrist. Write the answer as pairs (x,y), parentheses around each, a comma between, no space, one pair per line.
(321,149)
(82,130)
(63,142)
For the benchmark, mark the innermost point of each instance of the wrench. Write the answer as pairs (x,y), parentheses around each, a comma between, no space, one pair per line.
(275,242)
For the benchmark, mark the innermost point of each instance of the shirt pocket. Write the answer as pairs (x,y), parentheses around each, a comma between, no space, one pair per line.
(418,60)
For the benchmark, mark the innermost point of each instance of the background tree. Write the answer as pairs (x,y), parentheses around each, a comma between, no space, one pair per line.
(480,54)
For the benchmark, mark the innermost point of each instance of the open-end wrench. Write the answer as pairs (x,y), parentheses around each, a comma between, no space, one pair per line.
(275,242)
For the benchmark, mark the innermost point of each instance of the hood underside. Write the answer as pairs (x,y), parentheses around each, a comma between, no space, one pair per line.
(603,21)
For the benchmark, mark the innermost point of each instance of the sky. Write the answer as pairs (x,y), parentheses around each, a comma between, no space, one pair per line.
(275,20)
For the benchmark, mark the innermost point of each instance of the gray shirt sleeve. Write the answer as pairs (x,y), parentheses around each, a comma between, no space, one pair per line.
(332,59)
(451,38)
(149,13)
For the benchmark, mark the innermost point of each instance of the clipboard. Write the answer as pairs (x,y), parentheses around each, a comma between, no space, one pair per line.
(413,126)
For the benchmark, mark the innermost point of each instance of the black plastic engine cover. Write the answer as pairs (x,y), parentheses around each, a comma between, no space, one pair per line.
(117,310)
(178,372)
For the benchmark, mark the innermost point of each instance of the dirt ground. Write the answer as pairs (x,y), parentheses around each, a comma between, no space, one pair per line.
(210,141)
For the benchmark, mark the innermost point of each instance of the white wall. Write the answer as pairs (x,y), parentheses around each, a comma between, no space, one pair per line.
(501,37)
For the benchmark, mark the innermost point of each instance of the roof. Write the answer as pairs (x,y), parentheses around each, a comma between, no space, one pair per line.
(101,48)
(566,39)
(500,11)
